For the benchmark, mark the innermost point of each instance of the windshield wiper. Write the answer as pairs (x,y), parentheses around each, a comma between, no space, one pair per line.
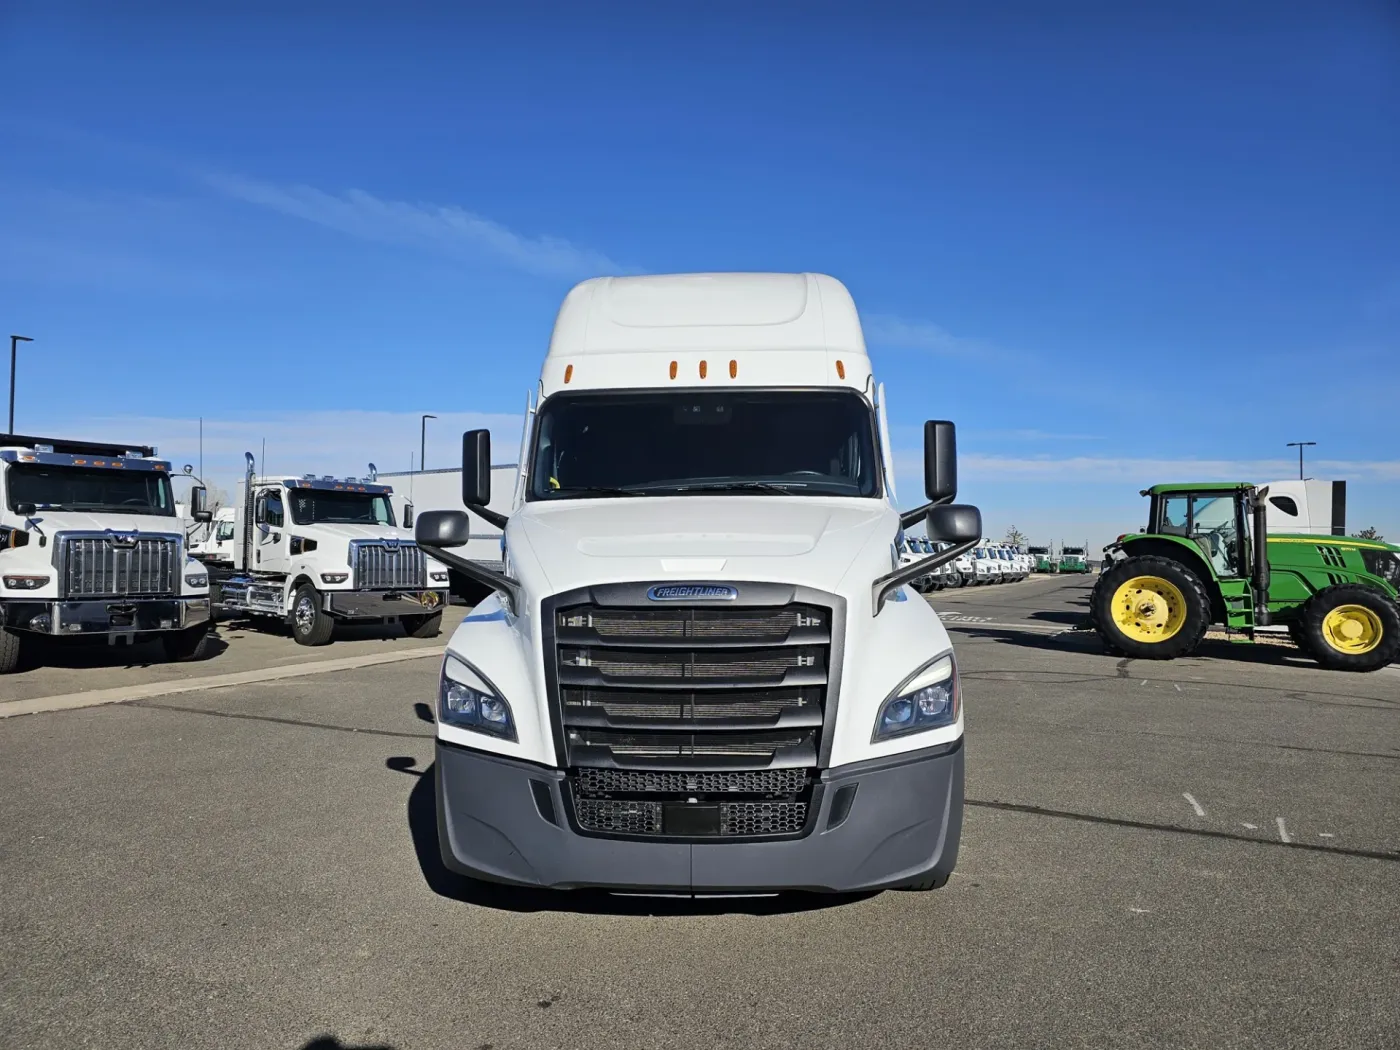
(731,486)
(592,490)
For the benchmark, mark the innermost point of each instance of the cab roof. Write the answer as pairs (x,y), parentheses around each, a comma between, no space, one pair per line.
(1198,486)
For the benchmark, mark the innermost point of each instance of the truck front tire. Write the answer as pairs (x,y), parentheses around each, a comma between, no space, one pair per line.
(187,645)
(311,624)
(429,626)
(10,646)
(1150,608)
(1350,627)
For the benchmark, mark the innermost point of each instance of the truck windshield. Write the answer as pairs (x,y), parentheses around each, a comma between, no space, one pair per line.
(99,489)
(313,506)
(745,442)
(225,531)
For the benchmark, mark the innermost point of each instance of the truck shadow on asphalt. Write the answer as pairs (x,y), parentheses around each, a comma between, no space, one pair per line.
(422,826)
(82,653)
(330,1042)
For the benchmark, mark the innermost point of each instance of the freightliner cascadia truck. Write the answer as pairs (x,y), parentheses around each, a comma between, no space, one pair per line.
(701,668)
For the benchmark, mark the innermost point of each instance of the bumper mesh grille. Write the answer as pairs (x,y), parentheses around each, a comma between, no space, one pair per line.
(762,818)
(592,781)
(624,817)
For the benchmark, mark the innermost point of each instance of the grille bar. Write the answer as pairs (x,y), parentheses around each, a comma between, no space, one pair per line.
(381,567)
(108,567)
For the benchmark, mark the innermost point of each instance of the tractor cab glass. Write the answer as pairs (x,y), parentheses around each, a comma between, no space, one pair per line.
(1213,521)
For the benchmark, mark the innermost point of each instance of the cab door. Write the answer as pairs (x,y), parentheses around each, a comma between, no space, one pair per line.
(269,531)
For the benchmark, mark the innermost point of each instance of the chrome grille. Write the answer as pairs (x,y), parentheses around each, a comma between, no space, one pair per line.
(113,567)
(388,567)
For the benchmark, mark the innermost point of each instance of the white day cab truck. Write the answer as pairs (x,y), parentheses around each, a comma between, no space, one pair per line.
(701,669)
(91,546)
(314,551)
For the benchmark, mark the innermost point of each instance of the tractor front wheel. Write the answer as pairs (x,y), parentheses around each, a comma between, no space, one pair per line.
(1150,608)
(1350,627)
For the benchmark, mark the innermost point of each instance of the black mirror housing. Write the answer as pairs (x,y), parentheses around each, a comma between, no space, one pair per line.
(954,523)
(408,515)
(199,509)
(442,528)
(27,510)
(476,468)
(940,461)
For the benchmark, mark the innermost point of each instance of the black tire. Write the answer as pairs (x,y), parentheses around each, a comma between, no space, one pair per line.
(429,626)
(1295,632)
(187,645)
(1196,608)
(311,625)
(1320,644)
(10,646)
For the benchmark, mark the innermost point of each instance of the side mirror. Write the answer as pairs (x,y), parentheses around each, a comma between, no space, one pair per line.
(26,510)
(260,510)
(940,461)
(408,515)
(476,468)
(199,504)
(954,523)
(442,528)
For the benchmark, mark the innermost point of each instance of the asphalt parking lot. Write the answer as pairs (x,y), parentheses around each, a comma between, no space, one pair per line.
(1204,853)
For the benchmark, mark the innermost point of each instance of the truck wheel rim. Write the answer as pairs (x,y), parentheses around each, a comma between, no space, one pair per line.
(1352,629)
(305,614)
(1149,608)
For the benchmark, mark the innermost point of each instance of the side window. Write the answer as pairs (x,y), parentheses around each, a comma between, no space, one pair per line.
(1175,514)
(1213,527)
(270,509)
(1287,504)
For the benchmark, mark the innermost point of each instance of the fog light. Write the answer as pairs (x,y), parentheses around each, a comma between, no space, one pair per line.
(439,577)
(25,583)
(197,579)
(40,623)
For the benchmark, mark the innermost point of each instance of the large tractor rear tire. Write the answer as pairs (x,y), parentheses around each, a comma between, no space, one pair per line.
(1350,627)
(1150,608)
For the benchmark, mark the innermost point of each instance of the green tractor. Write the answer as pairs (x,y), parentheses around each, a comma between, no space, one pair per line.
(1074,559)
(1199,562)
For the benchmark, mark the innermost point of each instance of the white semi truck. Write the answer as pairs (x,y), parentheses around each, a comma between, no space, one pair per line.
(91,546)
(311,551)
(701,669)
(217,546)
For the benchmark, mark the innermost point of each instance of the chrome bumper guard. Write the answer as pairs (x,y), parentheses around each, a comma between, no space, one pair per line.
(114,616)
(355,605)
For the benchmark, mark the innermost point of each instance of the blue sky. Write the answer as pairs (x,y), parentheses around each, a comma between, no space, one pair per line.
(1117,248)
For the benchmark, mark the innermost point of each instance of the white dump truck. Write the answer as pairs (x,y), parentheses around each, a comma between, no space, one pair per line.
(311,551)
(91,545)
(701,668)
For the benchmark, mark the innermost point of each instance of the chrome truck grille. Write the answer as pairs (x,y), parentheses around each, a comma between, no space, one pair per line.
(392,566)
(118,565)
(692,722)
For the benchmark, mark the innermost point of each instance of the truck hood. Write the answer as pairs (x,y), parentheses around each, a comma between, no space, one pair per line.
(56,521)
(807,540)
(347,533)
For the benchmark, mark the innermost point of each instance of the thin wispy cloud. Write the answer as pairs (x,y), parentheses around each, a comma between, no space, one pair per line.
(889,330)
(442,228)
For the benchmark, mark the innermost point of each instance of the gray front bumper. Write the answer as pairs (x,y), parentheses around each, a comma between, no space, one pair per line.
(358,605)
(107,616)
(903,826)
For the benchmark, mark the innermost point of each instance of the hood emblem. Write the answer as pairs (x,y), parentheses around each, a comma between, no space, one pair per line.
(681,592)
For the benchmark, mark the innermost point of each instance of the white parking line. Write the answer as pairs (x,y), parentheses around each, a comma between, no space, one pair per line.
(97,697)
(1282,831)
(1194,804)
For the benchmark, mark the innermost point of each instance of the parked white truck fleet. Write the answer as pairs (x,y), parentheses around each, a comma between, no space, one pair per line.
(311,551)
(91,546)
(700,669)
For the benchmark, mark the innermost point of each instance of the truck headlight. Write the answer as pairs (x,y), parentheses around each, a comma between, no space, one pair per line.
(197,579)
(438,577)
(928,700)
(467,700)
(334,577)
(25,583)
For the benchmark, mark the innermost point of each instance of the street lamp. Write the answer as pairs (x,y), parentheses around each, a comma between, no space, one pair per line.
(423,438)
(1300,445)
(15,340)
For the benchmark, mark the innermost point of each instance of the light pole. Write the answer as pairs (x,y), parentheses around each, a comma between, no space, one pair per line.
(423,438)
(1301,445)
(15,340)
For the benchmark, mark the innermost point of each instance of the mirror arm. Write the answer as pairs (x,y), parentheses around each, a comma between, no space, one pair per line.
(482,575)
(494,517)
(881,588)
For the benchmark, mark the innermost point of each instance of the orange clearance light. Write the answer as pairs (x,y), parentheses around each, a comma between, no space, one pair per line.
(703,369)
(733,369)
(840,370)
(568,373)
(673,370)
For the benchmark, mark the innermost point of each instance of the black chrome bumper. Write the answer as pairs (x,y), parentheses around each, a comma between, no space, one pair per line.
(356,605)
